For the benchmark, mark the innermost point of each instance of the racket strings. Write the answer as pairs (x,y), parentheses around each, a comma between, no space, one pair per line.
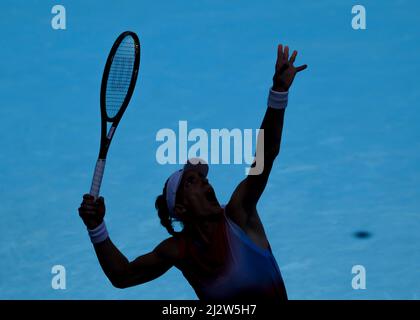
(119,78)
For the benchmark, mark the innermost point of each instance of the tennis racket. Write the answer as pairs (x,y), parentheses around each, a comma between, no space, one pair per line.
(118,82)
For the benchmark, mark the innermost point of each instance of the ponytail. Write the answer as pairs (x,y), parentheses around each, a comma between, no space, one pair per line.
(163,213)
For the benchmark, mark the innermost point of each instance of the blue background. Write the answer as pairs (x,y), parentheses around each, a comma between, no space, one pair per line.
(350,155)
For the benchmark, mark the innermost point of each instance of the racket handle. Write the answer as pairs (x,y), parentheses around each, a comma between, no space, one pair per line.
(97,178)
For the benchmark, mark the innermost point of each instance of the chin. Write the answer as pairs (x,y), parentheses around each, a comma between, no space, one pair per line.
(213,209)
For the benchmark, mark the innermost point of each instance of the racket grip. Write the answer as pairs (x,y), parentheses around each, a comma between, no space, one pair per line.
(97,178)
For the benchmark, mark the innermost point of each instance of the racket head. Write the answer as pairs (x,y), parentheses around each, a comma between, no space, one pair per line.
(120,76)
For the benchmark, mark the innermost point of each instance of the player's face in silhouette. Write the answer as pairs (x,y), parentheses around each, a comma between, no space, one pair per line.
(197,198)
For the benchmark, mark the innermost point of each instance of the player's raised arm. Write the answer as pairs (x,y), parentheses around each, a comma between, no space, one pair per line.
(120,271)
(248,192)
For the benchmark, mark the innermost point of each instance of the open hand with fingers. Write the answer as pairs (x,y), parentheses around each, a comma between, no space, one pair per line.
(92,211)
(285,70)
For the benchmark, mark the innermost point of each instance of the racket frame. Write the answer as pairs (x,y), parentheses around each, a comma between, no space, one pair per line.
(106,137)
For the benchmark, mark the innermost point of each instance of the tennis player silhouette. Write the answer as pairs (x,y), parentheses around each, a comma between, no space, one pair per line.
(222,251)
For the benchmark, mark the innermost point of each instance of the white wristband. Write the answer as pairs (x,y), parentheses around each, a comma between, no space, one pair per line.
(277,100)
(99,234)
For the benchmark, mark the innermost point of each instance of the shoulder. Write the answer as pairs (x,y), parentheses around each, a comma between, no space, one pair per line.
(249,222)
(239,213)
(171,249)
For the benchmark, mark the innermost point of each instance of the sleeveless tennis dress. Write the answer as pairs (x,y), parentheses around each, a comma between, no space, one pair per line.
(247,271)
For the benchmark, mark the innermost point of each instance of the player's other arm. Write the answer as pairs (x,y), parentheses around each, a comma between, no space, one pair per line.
(245,197)
(123,274)
(120,271)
